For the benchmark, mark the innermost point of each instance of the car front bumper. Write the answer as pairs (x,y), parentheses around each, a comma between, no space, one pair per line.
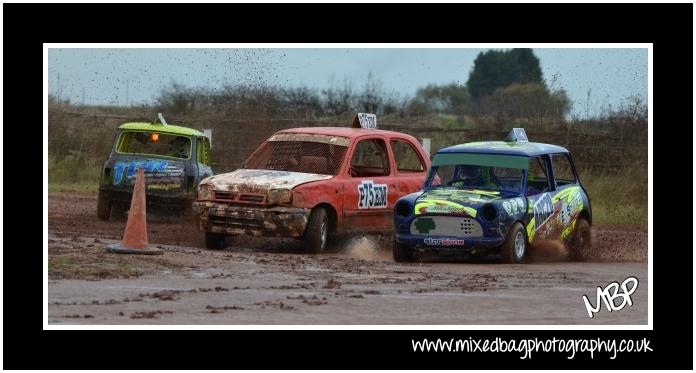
(464,245)
(168,201)
(276,221)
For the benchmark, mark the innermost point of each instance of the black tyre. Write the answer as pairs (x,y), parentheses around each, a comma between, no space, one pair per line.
(401,253)
(103,206)
(514,248)
(215,241)
(581,242)
(317,232)
(188,216)
(119,211)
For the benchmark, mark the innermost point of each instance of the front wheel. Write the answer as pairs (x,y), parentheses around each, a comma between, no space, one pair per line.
(581,242)
(401,252)
(103,206)
(515,246)
(317,231)
(215,241)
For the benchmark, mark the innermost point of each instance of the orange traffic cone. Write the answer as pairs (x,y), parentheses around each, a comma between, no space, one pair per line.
(135,236)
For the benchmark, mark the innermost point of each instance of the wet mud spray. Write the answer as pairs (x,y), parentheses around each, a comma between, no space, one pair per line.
(548,251)
(369,248)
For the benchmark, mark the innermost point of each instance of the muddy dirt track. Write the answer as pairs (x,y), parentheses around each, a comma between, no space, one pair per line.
(272,282)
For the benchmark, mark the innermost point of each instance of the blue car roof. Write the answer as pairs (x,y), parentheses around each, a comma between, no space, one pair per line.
(529,149)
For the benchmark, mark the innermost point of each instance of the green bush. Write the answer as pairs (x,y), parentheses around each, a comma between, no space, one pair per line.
(618,197)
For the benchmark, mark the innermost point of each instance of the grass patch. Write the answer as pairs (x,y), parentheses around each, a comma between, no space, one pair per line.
(619,198)
(81,187)
(73,173)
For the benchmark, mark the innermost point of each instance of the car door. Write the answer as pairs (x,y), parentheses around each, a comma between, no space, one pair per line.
(539,194)
(567,194)
(411,168)
(369,189)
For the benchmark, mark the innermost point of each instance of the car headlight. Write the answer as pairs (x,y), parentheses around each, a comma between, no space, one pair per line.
(279,196)
(205,191)
(403,209)
(489,212)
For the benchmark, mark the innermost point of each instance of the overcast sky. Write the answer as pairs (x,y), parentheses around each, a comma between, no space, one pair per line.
(135,76)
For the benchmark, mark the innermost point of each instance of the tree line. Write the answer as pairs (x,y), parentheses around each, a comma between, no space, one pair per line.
(502,85)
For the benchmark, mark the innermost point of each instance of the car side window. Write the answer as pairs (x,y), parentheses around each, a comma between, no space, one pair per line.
(369,159)
(406,157)
(537,176)
(562,170)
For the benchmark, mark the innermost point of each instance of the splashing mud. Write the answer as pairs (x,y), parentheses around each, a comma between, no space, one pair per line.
(368,248)
(548,251)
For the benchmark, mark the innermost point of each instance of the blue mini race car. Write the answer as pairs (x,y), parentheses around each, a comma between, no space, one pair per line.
(495,198)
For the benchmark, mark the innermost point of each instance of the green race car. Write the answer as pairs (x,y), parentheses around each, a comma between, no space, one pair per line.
(174,158)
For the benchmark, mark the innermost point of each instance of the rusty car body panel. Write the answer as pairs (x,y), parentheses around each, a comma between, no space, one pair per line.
(275,196)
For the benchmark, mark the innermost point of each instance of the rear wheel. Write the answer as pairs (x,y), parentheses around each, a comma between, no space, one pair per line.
(215,241)
(119,211)
(103,206)
(317,231)
(401,252)
(581,243)
(515,246)
(188,216)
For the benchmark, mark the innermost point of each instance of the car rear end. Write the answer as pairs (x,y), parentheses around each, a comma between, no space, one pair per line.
(168,160)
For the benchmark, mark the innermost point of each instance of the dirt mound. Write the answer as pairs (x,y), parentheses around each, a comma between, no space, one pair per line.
(608,245)
(614,245)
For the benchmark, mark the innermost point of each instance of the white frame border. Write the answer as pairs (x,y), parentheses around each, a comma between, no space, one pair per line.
(648,46)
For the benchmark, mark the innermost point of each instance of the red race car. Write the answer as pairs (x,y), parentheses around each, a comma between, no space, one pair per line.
(314,183)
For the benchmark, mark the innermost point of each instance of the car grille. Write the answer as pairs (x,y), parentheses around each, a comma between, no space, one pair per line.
(446,226)
(240,197)
(235,222)
(470,227)
(256,198)
(225,195)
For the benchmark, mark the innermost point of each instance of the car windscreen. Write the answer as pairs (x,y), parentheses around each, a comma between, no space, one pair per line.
(478,171)
(298,156)
(154,143)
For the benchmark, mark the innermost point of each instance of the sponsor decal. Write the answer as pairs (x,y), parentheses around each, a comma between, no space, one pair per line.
(452,202)
(546,222)
(443,241)
(566,232)
(164,186)
(371,195)
(566,213)
(513,206)
(443,207)
(571,204)
(520,204)
(124,172)
(543,209)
